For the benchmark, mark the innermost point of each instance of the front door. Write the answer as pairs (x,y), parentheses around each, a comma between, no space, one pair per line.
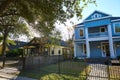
(105,50)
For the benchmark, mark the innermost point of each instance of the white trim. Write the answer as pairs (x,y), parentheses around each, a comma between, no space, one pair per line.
(79,40)
(115,20)
(114,46)
(84,49)
(75,55)
(87,43)
(105,48)
(83,32)
(80,25)
(98,39)
(112,55)
(116,37)
(97,19)
(114,27)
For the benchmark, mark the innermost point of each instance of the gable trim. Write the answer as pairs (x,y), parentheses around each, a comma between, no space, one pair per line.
(99,12)
(97,19)
(80,25)
(115,20)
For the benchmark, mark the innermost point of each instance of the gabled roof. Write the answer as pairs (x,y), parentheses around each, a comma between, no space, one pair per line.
(114,18)
(39,41)
(81,23)
(97,14)
(18,44)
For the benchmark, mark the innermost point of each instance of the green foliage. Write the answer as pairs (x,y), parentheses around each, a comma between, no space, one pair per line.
(55,37)
(1,38)
(14,53)
(10,42)
(55,76)
(11,23)
(47,12)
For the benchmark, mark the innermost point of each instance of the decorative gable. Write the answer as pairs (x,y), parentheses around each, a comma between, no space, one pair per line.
(96,15)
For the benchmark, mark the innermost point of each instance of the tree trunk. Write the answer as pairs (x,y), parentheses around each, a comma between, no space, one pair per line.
(4,48)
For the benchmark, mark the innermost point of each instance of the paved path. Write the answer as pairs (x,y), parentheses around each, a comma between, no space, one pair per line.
(10,74)
(98,72)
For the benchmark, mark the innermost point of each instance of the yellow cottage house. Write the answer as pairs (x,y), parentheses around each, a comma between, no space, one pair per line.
(43,46)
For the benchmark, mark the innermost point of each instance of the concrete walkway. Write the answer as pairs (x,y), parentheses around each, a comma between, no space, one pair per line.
(98,72)
(11,74)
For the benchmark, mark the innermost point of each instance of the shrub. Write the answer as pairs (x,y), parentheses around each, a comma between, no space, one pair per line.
(14,53)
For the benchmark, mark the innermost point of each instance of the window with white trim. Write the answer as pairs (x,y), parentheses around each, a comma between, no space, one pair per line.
(81,32)
(95,16)
(117,27)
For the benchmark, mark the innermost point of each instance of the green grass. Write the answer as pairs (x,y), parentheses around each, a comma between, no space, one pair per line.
(69,70)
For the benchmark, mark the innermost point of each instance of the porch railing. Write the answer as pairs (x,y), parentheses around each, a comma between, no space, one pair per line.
(99,34)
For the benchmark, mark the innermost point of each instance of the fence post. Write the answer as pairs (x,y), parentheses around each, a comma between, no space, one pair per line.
(108,71)
(58,61)
(86,70)
(23,63)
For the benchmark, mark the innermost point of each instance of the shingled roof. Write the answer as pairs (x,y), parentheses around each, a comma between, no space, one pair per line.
(18,44)
(44,41)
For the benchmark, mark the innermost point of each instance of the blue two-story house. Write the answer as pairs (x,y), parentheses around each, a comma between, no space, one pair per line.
(97,36)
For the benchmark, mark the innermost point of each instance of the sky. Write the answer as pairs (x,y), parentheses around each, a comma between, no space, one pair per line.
(107,6)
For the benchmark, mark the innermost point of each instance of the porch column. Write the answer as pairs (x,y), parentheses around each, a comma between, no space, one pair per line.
(112,55)
(75,49)
(87,43)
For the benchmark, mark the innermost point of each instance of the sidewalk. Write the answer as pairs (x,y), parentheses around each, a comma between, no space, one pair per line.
(10,74)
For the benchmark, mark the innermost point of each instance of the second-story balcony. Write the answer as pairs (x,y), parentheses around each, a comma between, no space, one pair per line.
(98,34)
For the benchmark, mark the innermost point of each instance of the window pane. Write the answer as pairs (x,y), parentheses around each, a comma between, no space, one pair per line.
(102,29)
(117,27)
(81,32)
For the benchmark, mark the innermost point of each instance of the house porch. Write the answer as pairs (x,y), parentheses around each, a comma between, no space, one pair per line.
(98,49)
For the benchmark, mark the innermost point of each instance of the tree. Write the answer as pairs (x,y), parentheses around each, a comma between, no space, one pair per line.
(10,24)
(55,39)
(46,12)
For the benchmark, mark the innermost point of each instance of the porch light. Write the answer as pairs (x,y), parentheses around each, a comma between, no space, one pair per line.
(98,46)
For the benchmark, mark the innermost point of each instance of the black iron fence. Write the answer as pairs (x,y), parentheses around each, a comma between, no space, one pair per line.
(84,69)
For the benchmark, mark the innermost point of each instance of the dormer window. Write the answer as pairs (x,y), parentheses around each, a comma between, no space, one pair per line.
(81,32)
(96,16)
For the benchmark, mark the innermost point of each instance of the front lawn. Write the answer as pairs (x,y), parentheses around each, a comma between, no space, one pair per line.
(68,70)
